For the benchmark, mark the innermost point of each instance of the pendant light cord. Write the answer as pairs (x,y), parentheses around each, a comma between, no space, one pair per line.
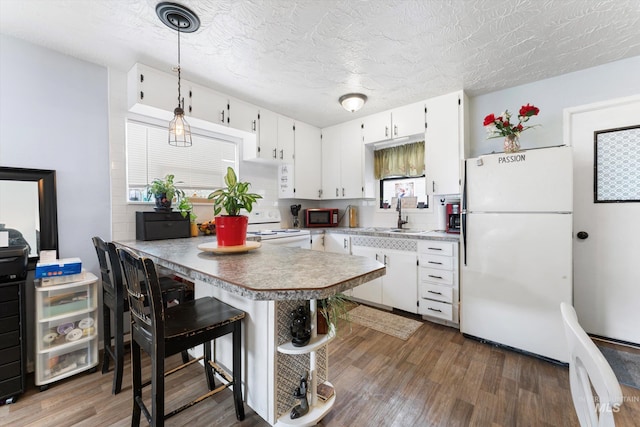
(179,103)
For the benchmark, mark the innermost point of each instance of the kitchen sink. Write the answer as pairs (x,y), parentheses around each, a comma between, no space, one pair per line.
(406,230)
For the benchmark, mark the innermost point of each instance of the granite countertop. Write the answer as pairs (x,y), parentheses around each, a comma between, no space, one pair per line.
(387,232)
(270,272)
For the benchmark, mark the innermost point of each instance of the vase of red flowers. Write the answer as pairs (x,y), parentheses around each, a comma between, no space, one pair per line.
(501,126)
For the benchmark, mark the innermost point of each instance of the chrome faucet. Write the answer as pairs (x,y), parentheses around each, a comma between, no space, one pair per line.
(401,222)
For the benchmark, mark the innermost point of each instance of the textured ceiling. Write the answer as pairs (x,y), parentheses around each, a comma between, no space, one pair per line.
(297,57)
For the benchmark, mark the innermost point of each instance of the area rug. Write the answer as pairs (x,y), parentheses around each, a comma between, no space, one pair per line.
(385,322)
(625,365)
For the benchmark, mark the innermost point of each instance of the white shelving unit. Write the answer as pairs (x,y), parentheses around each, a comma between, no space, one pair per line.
(66,329)
(317,408)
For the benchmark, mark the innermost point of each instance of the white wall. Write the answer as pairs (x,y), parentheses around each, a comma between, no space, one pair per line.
(53,115)
(552,96)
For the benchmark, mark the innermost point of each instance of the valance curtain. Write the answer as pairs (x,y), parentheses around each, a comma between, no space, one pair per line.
(402,160)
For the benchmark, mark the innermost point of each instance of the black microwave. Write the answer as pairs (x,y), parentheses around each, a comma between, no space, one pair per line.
(321,217)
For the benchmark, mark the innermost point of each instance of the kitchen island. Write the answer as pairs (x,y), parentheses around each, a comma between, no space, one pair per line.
(267,283)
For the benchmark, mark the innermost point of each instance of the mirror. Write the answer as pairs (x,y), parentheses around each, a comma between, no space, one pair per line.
(28,209)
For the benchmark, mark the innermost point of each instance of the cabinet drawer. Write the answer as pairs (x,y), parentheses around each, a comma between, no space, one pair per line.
(8,324)
(441,310)
(63,331)
(58,363)
(436,261)
(436,292)
(435,247)
(66,300)
(10,339)
(10,370)
(10,354)
(9,293)
(432,275)
(9,308)
(11,386)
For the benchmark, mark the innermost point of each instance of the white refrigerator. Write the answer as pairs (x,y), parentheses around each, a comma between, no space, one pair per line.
(516,259)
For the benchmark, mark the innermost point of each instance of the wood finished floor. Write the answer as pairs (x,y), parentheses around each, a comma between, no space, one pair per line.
(436,378)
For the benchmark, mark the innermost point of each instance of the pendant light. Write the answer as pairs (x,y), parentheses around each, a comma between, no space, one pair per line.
(353,101)
(181,19)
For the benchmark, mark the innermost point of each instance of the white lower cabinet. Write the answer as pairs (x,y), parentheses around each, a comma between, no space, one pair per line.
(370,291)
(397,288)
(66,329)
(438,288)
(337,243)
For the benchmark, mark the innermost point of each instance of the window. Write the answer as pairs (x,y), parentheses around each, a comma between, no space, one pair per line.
(400,170)
(411,192)
(199,169)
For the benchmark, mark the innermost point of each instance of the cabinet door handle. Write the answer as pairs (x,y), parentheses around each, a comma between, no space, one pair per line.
(435,277)
(434,292)
(435,249)
(344,244)
(433,262)
(253,125)
(433,186)
(386,131)
(281,154)
(377,257)
(275,155)
(336,192)
(222,116)
(385,260)
(395,130)
(434,309)
(342,191)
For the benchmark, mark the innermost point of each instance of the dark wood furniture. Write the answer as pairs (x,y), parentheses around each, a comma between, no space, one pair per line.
(13,268)
(162,332)
(161,225)
(114,300)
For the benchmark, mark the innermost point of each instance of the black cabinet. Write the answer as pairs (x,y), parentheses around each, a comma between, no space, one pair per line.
(12,339)
(161,225)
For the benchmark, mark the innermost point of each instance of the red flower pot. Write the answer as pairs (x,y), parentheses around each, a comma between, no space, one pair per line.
(231,230)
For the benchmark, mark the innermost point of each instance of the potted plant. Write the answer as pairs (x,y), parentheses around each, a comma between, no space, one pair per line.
(164,190)
(231,229)
(186,208)
(333,311)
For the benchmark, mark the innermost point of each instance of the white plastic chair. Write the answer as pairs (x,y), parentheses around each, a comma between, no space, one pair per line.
(588,368)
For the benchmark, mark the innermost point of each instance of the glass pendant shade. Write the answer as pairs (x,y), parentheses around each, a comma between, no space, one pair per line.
(353,101)
(179,130)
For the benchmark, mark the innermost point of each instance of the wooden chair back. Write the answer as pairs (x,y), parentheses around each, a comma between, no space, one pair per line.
(145,298)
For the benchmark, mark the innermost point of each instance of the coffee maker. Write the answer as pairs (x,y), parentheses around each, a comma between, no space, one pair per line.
(453,218)
(295,210)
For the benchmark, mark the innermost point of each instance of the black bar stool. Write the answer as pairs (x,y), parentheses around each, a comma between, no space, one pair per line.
(162,332)
(114,300)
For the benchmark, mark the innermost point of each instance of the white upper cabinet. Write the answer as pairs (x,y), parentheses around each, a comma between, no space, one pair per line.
(397,123)
(444,143)
(274,139)
(342,157)
(376,127)
(286,141)
(308,164)
(408,120)
(152,92)
(205,104)
(243,116)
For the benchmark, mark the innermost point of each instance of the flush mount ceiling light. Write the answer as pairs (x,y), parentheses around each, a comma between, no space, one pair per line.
(182,20)
(353,101)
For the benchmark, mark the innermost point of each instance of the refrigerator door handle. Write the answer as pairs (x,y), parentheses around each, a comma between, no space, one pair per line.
(463,212)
